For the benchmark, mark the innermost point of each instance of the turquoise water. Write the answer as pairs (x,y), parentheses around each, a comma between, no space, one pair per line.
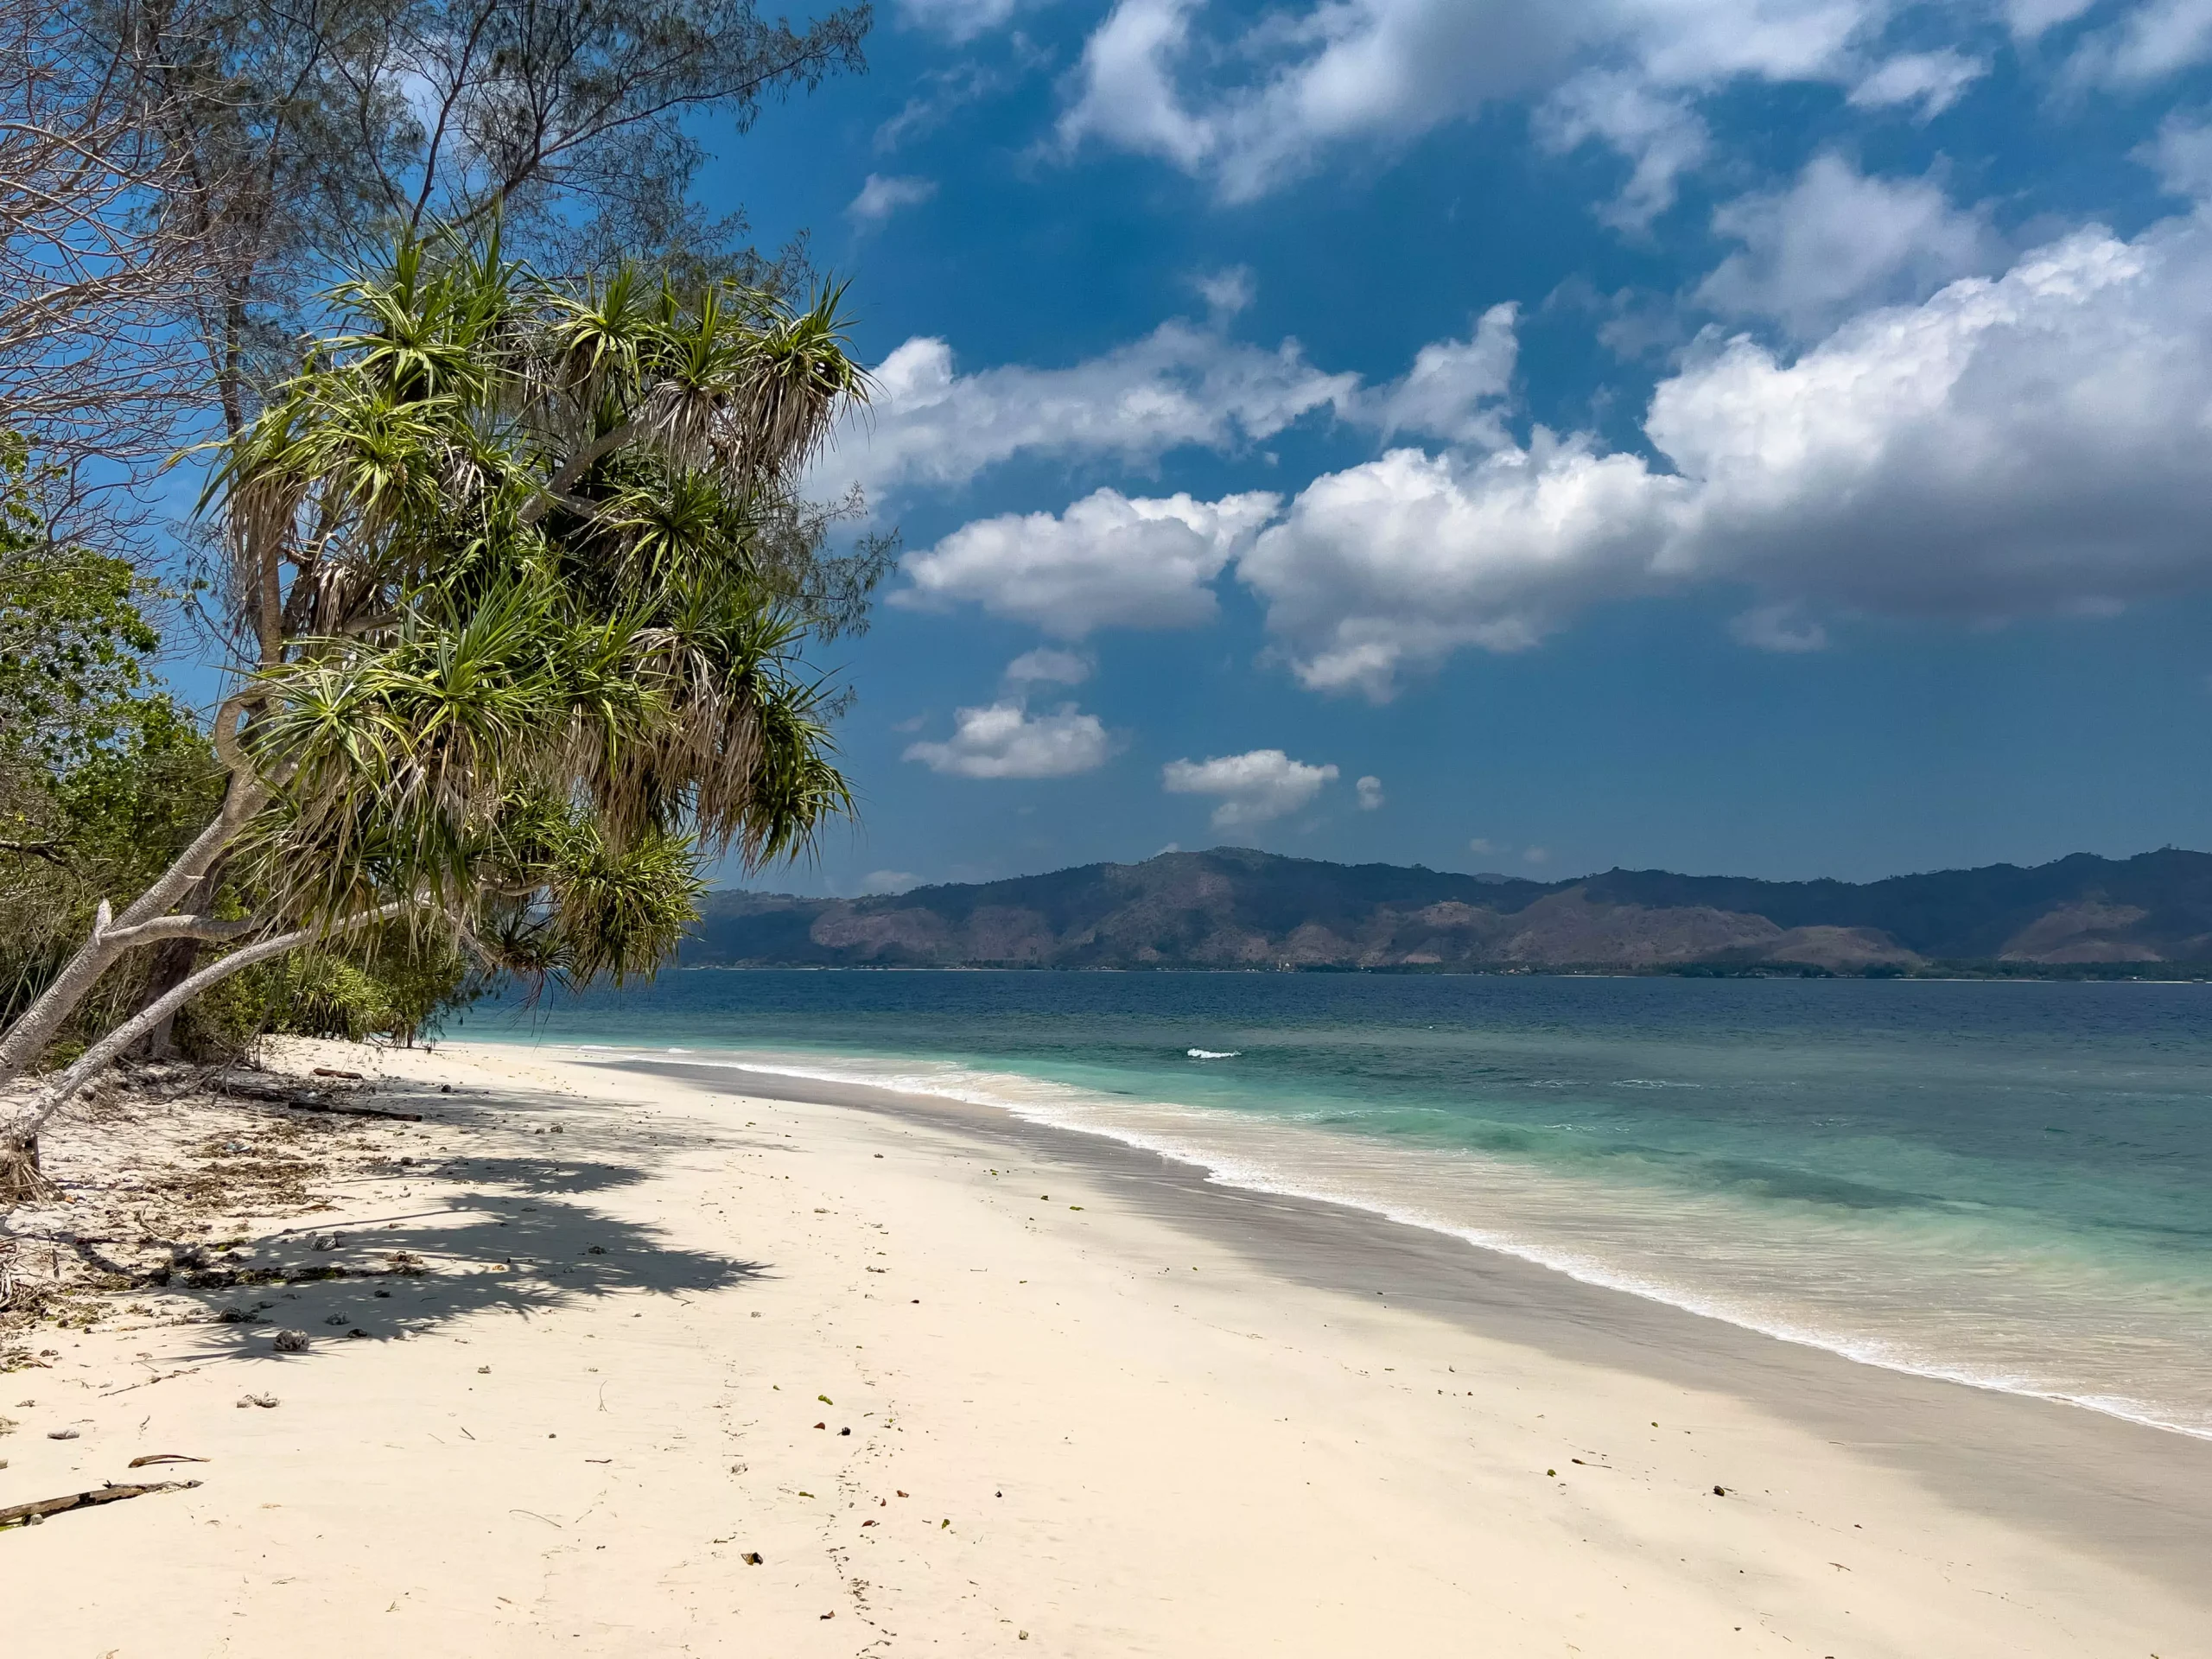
(2010,1184)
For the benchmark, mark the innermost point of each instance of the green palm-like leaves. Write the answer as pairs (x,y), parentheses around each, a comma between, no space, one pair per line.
(535,669)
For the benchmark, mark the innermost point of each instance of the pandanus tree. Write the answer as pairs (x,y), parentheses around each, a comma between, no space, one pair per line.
(525,653)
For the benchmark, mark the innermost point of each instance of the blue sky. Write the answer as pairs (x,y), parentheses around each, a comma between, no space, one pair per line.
(1767,437)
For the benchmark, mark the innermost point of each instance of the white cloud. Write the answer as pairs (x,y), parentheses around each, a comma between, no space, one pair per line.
(1456,389)
(1129,97)
(881,196)
(1006,740)
(1654,130)
(1109,561)
(1837,240)
(2038,442)
(2028,19)
(1227,292)
(1371,793)
(1480,844)
(957,20)
(2182,157)
(1537,855)
(1046,667)
(1934,80)
(1256,111)
(889,881)
(2155,39)
(1253,788)
(1180,384)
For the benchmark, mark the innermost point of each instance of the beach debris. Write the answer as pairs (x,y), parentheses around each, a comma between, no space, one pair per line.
(822,1425)
(34,1513)
(1721,1491)
(825,1399)
(751,1558)
(844,1431)
(266,1401)
(1553,1472)
(1021,1635)
(901,1494)
(483,1370)
(291,1342)
(61,1435)
(336,1318)
(332,1071)
(445,1088)
(600,1249)
(164,1457)
(357,1331)
(831,1614)
(867,1523)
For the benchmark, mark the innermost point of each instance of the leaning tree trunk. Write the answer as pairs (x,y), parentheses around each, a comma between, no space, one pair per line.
(23,1117)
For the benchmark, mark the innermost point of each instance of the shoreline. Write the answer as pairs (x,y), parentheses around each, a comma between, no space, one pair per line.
(2065,1486)
(1216,1169)
(678,1362)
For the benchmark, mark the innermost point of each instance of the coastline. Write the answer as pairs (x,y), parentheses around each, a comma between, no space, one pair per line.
(1159,1414)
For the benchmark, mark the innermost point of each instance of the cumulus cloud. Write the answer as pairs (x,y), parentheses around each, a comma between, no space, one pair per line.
(1836,240)
(1006,740)
(1109,561)
(1934,80)
(928,424)
(1456,389)
(1260,109)
(1371,793)
(2036,443)
(1252,788)
(1046,667)
(881,196)
(889,881)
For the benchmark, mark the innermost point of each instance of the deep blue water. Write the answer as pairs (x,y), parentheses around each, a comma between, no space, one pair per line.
(2007,1183)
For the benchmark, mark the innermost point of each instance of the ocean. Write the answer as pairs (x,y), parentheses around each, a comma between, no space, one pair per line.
(2008,1184)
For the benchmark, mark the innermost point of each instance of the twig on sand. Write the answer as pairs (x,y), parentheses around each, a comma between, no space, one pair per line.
(20,1515)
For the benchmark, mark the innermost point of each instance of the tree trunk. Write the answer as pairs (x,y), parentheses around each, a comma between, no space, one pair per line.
(172,965)
(30,1112)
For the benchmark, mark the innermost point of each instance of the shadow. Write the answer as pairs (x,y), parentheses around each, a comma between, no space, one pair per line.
(514,1240)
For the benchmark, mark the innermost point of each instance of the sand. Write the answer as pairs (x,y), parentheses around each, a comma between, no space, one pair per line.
(967,1385)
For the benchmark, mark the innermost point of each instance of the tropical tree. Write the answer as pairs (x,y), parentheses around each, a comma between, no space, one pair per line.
(529,646)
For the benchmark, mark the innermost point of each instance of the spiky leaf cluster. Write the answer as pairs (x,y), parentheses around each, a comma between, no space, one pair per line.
(529,649)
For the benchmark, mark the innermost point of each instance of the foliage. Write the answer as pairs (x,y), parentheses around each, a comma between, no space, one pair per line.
(104,779)
(75,638)
(516,556)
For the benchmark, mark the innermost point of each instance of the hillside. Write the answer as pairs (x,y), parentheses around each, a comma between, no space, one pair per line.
(1234,907)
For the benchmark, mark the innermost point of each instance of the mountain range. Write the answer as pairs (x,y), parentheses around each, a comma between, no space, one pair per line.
(1234,907)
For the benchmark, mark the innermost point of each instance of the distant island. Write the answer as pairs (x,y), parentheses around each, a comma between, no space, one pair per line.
(1236,908)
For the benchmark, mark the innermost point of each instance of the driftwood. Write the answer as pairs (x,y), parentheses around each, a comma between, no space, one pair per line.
(20,1515)
(306,1100)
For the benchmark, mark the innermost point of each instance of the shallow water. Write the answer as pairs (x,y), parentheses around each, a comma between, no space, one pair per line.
(2006,1183)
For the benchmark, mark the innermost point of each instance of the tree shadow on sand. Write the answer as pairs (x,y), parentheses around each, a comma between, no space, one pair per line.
(515,1239)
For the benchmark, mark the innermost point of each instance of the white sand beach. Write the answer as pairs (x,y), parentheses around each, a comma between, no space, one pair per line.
(962,1385)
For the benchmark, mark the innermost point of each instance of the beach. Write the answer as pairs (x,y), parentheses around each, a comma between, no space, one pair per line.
(961,1382)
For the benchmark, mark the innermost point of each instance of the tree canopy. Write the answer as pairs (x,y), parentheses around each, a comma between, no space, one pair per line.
(513,552)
